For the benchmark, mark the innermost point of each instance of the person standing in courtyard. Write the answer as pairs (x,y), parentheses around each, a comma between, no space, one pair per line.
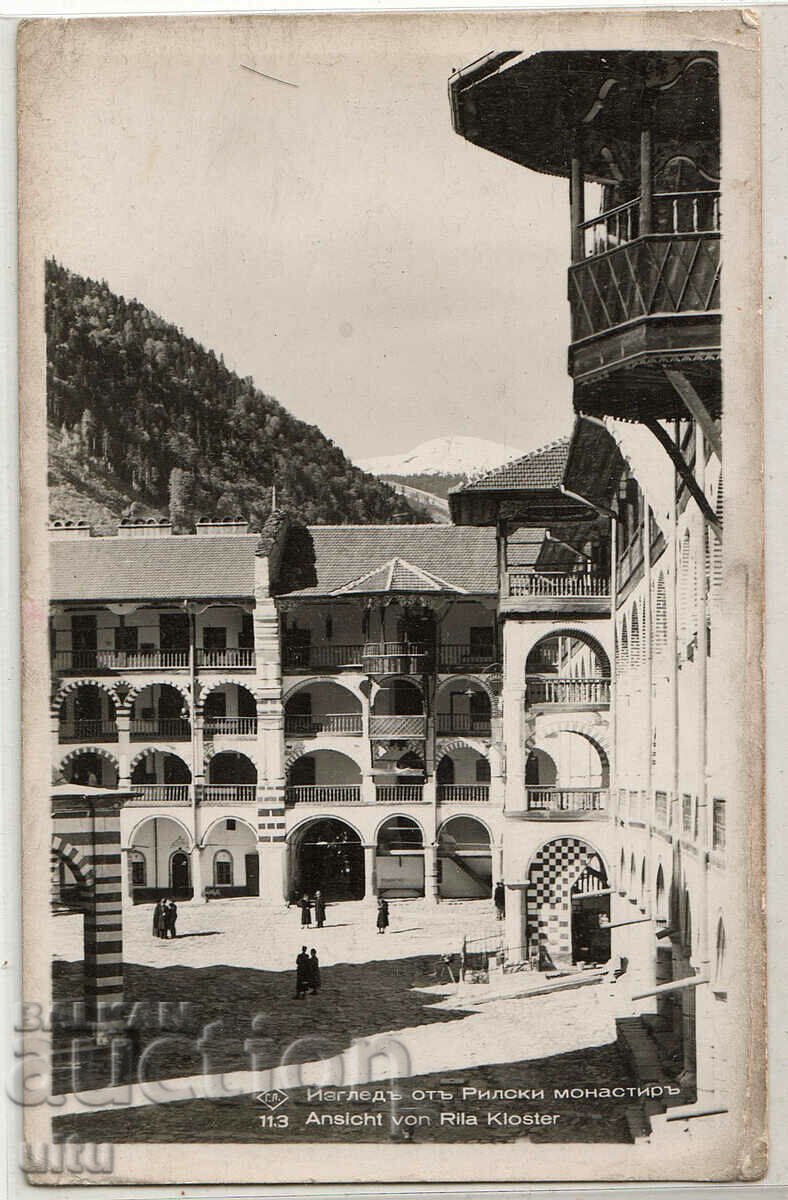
(499,896)
(170,917)
(383,915)
(306,911)
(157,919)
(302,973)
(314,971)
(320,909)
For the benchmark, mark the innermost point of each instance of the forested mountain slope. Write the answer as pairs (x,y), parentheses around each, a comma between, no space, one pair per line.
(141,414)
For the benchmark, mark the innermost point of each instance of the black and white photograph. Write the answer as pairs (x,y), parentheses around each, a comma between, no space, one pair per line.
(392,736)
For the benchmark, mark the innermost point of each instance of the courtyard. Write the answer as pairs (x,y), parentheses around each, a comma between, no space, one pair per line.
(389,1007)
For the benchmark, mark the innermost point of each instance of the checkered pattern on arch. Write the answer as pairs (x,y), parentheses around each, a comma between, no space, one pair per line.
(555,869)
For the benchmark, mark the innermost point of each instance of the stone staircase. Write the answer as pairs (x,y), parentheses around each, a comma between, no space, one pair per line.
(640,1051)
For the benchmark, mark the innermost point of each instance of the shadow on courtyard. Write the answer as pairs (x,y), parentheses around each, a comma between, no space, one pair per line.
(355,1000)
(238,1119)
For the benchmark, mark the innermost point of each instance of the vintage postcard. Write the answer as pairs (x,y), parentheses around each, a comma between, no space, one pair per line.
(392,681)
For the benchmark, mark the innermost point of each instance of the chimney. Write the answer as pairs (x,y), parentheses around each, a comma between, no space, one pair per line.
(154,527)
(228,528)
(67,531)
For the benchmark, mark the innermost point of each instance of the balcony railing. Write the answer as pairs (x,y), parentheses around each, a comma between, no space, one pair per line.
(396,658)
(566,800)
(299,657)
(343,724)
(465,657)
(227,793)
(237,657)
(477,726)
(318,793)
(226,726)
(672,212)
(465,793)
(552,689)
(87,731)
(656,275)
(173,729)
(397,727)
(79,661)
(399,793)
(557,584)
(162,793)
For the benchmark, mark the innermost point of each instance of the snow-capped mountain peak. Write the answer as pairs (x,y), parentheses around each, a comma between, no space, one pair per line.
(452,455)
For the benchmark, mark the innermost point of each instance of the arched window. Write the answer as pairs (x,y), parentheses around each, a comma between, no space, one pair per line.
(661,896)
(223,868)
(632,879)
(623,646)
(643,884)
(622,879)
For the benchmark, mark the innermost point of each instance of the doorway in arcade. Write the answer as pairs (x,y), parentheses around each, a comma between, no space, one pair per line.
(326,854)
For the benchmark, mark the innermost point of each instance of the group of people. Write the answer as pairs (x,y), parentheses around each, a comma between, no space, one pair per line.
(306,905)
(307,973)
(165,914)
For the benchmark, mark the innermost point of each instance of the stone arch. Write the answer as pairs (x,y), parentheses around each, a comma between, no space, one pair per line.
(556,869)
(463,744)
(468,816)
(466,753)
(203,841)
(623,660)
(315,680)
(480,680)
(330,859)
(160,816)
(212,685)
(385,685)
(73,685)
(581,635)
(77,751)
(235,756)
(75,858)
(660,895)
(595,731)
(171,682)
(211,750)
(159,749)
(397,816)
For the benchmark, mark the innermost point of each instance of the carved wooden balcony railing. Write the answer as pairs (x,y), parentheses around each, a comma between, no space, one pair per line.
(546,690)
(566,800)
(470,723)
(230,726)
(300,657)
(399,793)
(227,793)
(397,727)
(471,793)
(317,793)
(342,724)
(170,729)
(87,731)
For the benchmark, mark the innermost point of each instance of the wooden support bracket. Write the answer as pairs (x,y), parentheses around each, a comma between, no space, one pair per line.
(686,474)
(696,409)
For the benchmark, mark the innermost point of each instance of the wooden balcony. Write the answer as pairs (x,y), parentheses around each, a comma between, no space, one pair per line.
(463,793)
(300,658)
(87,731)
(563,804)
(397,658)
(459,658)
(397,727)
(556,592)
(227,793)
(166,729)
(399,793)
(231,657)
(97,662)
(553,691)
(467,723)
(335,724)
(317,793)
(641,301)
(230,727)
(162,793)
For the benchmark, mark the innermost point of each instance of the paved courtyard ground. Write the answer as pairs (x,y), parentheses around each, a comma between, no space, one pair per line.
(232,963)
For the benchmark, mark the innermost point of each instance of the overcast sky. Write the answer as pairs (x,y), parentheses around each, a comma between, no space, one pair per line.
(378,275)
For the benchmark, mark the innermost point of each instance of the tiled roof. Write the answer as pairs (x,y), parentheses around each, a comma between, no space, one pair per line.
(326,558)
(537,471)
(318,560)
(395,576)
(127,568)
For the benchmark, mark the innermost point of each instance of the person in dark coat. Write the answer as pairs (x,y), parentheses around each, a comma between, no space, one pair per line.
(170,917)
(320,909)
(499,896)
(157,919)
(306,911)
(383,915)
(314,971)
(303,971)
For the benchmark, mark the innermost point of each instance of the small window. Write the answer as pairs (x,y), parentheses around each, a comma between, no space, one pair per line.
(223,869)
(246,636)
(482,770)
(138,873)
(127,638)
(230,824)
(718,824)
(686,814)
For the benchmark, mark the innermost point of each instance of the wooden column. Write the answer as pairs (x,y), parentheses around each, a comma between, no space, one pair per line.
(577,204)
(646,181)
